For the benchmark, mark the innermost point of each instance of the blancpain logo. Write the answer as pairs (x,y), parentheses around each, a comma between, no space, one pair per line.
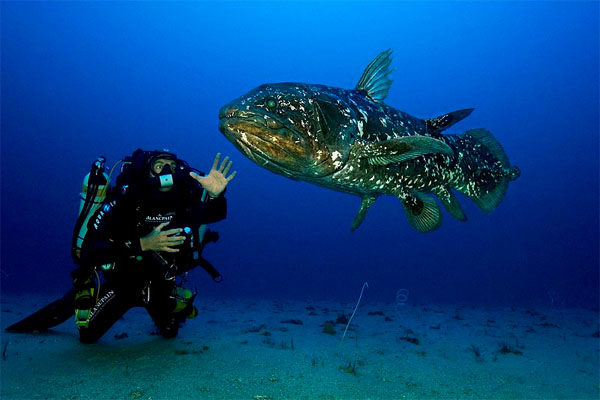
(101,303)
(159,218)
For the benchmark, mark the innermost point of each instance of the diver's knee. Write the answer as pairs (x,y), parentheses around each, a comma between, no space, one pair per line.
(169,331)
(87,337)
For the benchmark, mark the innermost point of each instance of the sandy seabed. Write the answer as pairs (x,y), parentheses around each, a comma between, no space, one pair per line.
(248,349)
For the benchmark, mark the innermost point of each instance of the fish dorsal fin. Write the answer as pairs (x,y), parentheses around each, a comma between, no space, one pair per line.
(375,79)
(441,123)
(488,140)
(402,149)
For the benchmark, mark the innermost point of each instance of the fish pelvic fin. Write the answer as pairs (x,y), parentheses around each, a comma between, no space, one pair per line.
(367,202)
(490,181)
(375,79)
(403,149)
(441,123)
(450,202)
(422,211)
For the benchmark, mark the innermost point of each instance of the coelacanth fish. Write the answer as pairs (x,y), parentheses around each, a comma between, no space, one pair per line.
(351,141)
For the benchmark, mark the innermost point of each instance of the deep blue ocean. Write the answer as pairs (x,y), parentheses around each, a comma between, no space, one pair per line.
(84,79)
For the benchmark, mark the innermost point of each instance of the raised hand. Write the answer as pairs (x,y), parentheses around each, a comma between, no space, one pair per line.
(159,240)
(216,181)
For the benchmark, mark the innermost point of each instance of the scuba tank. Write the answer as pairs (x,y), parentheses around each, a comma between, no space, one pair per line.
(92,196)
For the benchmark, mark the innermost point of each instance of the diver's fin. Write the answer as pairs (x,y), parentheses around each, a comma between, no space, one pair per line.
(375,79)
(450,202)
(367,202)
(443,122)
(47,317)
(422,212)
(402,149)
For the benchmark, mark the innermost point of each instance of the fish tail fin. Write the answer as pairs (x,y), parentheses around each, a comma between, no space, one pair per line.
(486,169)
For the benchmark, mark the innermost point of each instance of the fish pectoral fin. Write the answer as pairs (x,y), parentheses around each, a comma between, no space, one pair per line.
(375,79)
(450,202)
(422,212)
(443,122)
(367,202)
(403,149)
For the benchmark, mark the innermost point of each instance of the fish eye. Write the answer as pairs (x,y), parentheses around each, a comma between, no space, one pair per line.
(271,103)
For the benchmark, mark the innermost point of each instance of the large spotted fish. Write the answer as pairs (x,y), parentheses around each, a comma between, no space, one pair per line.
(351,141)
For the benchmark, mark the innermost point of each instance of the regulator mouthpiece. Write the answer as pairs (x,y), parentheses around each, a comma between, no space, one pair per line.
(166,177)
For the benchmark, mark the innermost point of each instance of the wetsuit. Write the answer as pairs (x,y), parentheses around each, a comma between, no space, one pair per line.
(133,277)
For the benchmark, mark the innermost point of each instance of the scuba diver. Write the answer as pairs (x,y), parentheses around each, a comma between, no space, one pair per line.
(136,248)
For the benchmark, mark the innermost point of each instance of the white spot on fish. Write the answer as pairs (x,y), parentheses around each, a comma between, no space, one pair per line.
(364,114)
(360,128)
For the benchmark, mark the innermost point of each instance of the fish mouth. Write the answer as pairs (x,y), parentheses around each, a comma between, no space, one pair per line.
(272,143)
(257,137)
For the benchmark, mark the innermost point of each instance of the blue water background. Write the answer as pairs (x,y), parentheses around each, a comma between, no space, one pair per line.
(85,79)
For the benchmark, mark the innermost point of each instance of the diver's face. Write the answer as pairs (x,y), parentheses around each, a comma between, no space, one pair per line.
(158,166)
